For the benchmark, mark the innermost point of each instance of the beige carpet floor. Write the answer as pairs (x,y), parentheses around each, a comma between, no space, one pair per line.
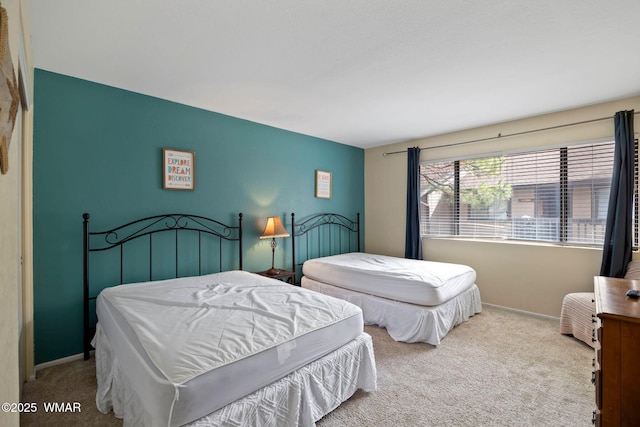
(500,368)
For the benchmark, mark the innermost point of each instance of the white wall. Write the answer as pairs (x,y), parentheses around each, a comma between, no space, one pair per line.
(527,277)
(10,238)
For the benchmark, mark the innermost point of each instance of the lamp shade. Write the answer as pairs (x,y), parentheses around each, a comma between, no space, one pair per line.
(274,228)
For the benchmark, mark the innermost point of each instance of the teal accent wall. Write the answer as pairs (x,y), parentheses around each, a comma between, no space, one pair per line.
(98,149)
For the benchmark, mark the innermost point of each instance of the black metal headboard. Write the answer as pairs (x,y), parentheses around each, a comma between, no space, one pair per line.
(189,237)
(321,235)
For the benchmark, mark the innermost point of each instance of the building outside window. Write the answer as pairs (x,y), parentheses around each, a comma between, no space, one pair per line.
(557,195)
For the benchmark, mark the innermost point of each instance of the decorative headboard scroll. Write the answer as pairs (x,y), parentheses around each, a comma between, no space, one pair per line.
(321,235)
(173,245)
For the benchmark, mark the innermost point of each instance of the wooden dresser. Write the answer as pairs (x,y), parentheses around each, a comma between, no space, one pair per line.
(617,362)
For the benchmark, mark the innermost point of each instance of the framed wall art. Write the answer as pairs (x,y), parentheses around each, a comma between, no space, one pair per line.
(323,184)
(178,169)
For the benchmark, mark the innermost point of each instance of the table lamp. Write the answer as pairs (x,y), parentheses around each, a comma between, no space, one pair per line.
(273,230)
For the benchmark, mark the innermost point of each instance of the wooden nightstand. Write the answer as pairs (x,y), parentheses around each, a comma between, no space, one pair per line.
(284,275)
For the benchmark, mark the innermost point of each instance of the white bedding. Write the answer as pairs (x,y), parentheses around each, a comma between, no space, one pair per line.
(419,282)
(190,346)
(299,399)
(407,322)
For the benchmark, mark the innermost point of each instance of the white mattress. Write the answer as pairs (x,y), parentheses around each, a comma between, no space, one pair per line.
(404,321)
(192,345)
(415,281)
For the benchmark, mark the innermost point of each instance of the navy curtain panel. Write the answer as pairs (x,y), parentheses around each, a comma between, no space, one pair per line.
(616,252)
(413,241)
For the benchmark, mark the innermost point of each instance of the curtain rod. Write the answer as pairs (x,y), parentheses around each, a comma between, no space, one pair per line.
(507,135)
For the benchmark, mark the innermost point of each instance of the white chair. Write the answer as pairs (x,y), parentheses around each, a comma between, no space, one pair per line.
(577,317)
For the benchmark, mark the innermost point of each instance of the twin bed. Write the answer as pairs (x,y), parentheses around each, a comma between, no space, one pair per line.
(215,347)
(197,341)
(415,300)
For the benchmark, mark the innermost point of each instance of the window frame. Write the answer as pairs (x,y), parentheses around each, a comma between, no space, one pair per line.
(565,189)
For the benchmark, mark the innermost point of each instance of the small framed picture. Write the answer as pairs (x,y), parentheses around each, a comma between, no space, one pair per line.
(178,169)
(323,184)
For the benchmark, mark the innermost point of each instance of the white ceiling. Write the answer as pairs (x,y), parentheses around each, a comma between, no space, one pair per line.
(359,72)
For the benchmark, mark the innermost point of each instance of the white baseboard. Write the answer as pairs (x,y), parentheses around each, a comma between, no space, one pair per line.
(51,363)
(528,313)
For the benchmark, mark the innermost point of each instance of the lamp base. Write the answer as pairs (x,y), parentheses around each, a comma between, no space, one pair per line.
(273,271)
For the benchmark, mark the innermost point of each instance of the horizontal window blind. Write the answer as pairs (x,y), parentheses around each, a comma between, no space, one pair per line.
(551,195)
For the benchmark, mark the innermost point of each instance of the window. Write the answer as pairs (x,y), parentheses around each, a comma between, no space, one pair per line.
(552,195)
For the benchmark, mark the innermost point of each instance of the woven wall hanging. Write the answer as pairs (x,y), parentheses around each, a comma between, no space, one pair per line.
(9,94)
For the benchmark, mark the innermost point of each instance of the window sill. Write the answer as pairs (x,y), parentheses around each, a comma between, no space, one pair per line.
(517,242)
